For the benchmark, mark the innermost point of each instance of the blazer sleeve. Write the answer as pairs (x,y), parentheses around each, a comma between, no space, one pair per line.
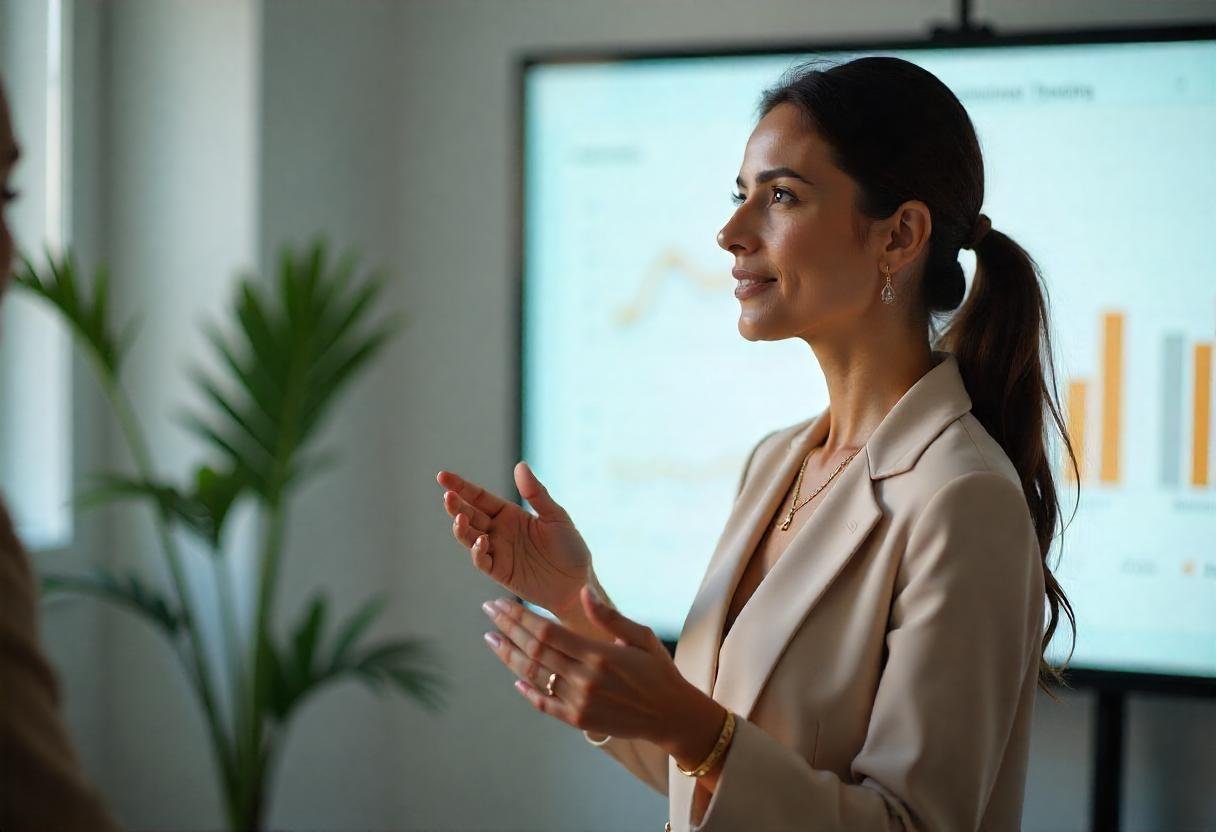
(963,630)
(41,782)
(644,759)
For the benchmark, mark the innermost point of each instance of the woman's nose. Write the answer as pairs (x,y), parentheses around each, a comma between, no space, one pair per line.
(731,236)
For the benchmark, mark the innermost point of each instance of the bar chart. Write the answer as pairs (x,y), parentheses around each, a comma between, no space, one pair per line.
(1183,451)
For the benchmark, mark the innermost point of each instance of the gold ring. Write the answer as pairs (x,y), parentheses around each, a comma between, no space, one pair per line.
(549,686)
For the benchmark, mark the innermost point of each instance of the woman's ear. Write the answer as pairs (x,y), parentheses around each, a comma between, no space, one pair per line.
(907,234)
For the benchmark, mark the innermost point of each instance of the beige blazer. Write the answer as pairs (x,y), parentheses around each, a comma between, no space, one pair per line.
(883,673)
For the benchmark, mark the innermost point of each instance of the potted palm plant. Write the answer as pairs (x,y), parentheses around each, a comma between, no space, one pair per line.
(300,341)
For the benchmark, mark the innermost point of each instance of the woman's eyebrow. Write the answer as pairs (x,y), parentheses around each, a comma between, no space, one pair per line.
(775,173)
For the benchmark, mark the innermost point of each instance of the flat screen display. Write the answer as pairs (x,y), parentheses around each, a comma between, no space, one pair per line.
(641,400)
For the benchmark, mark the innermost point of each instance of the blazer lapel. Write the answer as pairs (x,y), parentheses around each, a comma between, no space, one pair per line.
(791,588)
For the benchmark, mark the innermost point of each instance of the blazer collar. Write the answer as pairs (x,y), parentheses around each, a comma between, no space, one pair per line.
(933,402)
(925,409)
(848,512)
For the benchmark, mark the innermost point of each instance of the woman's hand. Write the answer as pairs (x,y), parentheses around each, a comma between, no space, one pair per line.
(540,557)
(628,688)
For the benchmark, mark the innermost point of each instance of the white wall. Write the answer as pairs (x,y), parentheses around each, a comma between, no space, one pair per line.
(165,193)
(227,128)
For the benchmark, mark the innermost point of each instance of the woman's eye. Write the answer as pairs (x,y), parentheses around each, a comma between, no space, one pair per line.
(738,198)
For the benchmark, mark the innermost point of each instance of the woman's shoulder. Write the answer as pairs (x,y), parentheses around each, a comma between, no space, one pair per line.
(782,438)
(967,447)
(964,455)
(773,441)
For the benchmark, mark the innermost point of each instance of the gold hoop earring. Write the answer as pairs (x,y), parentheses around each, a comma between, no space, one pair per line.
(888,294)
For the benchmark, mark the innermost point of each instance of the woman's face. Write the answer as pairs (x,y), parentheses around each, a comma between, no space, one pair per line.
(795,223)
(8,158)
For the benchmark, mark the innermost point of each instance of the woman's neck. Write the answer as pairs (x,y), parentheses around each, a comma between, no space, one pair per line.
(864,383)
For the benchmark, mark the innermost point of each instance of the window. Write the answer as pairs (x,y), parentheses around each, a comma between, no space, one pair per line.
(35,349)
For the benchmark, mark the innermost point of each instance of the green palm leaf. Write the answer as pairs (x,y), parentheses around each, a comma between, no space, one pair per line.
(296,672)
(405,664)
(127,591)
(86,317)
(202,511)
(297,347)
(353,630)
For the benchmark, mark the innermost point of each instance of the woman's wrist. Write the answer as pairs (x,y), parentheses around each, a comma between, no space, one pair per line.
(575,617)
(691,737)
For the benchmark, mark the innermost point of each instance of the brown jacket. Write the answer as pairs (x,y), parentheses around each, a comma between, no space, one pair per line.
(883,673)
(42,787)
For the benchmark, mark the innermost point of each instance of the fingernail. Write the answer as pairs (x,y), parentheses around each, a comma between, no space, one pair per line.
(489,609)
(503,604)
(493,639)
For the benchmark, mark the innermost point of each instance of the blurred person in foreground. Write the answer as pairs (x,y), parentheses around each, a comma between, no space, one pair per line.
(42,785)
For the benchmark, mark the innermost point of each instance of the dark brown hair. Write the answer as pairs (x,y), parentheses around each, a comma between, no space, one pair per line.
(901,134)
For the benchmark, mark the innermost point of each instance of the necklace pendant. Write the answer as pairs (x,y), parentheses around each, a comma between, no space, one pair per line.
(786,525)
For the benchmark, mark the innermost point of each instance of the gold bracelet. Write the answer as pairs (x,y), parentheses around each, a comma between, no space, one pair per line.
(728,730)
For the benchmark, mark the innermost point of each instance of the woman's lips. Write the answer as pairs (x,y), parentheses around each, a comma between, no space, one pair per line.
(747,287)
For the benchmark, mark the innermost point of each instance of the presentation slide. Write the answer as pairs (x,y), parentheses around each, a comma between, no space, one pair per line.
(641,400)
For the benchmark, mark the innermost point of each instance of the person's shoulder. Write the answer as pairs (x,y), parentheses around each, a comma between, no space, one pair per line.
(773,441)
(967,481)
(964,447)
(963,467)
(781,438)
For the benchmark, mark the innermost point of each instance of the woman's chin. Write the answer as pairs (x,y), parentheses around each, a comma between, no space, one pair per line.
(752,329)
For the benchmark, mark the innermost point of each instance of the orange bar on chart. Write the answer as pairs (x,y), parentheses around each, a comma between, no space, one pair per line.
(1077,391)
(1202,414)
(1112,394)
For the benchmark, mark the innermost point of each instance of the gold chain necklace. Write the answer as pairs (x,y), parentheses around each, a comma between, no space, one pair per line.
(798,487)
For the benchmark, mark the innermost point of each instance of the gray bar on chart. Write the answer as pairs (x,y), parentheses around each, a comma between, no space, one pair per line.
(1171,410)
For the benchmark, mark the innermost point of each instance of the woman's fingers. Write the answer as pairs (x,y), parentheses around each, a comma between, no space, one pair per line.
(538,636)
(533,659)
(471,493)
(470,525)
(538,496)
(455,504)
(482,561)
(467,533)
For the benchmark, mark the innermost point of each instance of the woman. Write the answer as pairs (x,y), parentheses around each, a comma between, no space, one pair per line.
(884,676)
(41,786)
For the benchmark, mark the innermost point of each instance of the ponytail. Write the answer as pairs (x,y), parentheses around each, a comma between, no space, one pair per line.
(1001,338)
